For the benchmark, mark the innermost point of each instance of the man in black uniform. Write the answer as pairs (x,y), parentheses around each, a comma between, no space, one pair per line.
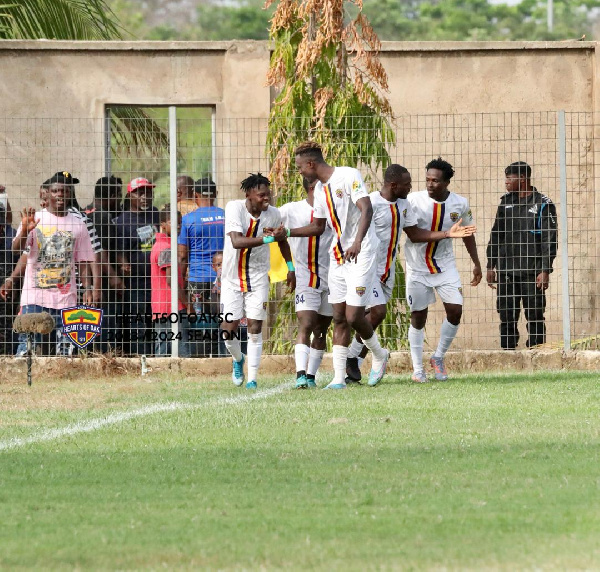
(520,254)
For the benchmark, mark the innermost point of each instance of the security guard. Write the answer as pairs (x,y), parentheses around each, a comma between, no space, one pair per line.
(520,254)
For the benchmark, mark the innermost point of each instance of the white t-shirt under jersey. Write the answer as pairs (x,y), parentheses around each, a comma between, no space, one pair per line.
(389,218)
(435,257)
(246,269)
(335,201)
(311,254)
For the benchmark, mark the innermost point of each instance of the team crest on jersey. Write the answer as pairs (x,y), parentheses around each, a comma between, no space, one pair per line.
(264,305)
(356,185)
(460,290)
(454,217)
(404,212)
(469,214)
(360,290)
(339,193)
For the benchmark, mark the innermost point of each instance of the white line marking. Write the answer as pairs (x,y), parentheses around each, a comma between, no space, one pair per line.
(120,417)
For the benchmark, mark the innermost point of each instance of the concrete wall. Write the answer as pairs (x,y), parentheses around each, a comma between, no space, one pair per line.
(53,97)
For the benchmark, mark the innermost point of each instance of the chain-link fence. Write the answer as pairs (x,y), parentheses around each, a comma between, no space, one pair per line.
(125,264)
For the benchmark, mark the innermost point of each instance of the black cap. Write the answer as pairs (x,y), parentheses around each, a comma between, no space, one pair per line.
(518,168)
(205,187)
(107,186)
(63,177)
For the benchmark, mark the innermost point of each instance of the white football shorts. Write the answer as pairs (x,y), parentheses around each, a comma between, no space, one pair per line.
(252,304)
(421,289)
(380,294)
(352,282)
(313,300)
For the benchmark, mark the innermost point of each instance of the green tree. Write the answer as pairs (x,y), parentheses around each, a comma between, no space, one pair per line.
(332,88)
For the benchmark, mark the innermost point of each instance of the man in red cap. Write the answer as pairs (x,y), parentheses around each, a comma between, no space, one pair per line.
(136,228)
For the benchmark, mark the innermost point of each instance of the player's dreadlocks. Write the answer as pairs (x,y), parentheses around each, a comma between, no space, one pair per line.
(254,181)
(443,166)
(311,150)
(394,173)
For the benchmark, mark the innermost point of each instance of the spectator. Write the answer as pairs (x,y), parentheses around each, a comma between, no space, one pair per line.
(54,240)
(520,254)
(202,234)
(160,269)
(135,231)
(8,306)
(102,211)
(185,195)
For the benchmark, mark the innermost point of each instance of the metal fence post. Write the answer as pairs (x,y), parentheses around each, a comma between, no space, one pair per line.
(564,234)
(173,199)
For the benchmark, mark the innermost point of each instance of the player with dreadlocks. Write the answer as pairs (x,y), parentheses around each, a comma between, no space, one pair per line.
(250,225)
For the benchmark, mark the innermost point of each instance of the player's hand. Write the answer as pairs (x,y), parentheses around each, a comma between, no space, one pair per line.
(542,281)
(490,276)
(28,220)
(88,297)
(126,269)
(352,253)
(457,231)
(477,275)
(291,281)
(280,234)
(268,231)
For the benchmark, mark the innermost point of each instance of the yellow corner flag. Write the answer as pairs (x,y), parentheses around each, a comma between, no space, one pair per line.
(278,271)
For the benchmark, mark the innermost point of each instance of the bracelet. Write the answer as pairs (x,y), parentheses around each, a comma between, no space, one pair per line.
(268,239)
(290,266)
(288,232)
(9,279)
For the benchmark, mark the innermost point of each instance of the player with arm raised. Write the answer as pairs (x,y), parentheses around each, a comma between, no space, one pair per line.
(392,213)
(314,312)
(431,267)
(250,225)
(341,200)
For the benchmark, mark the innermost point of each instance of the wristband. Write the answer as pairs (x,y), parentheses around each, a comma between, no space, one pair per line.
(290,266)
(268,239)
(446,233)
(288,232)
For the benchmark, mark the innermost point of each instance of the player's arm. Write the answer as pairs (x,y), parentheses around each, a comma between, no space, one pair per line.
(366,215)
(315,228)
(284,248)
(417,234)
(238,240)
(493,249)
(471,247)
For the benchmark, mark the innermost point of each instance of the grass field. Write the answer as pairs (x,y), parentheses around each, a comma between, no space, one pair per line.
(494,472)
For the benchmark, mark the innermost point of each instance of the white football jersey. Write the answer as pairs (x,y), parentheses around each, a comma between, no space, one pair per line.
(246,269)
(335,201)
(435,257)
(389,219)
(311,254)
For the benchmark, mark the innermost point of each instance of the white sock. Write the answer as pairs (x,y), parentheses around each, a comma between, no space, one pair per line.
(255,345)
(416,339)
(301,352)
(340,354)
(355,348)
(447,335)
(234,348)
(315,357)
(378,352)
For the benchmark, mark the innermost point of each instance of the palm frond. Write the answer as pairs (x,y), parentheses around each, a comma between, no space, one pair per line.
(58,20)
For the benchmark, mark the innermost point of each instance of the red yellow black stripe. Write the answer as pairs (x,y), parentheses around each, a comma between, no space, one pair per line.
(244,260)
(338,252)
(314,281)
(437,221)
(391,250)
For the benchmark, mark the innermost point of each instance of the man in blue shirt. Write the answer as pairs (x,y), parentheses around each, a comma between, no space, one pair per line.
(202,235)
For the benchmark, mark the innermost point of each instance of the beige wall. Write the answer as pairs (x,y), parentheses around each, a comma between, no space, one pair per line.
(53,96)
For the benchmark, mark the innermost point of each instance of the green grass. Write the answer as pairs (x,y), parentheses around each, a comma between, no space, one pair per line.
(496,472)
